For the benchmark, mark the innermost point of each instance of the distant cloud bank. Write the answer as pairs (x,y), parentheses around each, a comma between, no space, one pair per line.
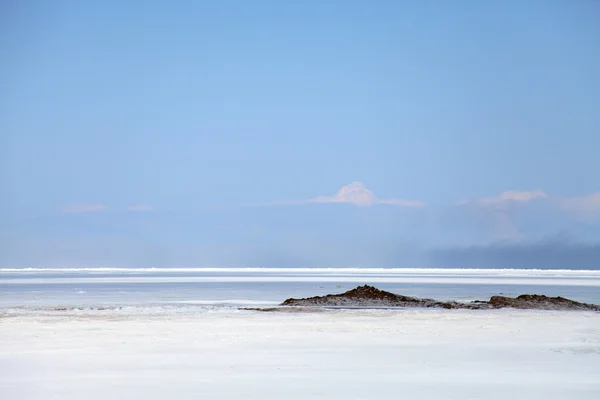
(358,194)
(553,254)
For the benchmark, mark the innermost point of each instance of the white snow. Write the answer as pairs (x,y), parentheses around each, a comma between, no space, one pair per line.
(346,354)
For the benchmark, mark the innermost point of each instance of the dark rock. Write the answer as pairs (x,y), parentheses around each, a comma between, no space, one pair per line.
(368,296)
(540,302)
(362,296)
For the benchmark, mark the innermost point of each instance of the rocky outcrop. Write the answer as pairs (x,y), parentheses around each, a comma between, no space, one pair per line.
(363,296)
(368,296)
(540,302)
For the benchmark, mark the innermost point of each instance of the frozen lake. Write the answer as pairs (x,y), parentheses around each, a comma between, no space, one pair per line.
(239,286)
(155,334)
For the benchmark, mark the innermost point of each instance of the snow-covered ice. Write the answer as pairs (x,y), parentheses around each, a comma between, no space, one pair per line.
(177,334)
(221,353)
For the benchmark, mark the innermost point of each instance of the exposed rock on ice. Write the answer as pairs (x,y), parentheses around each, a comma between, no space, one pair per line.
(368,296)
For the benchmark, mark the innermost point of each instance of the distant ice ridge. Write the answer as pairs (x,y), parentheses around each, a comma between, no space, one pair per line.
(565,277)
(320,271)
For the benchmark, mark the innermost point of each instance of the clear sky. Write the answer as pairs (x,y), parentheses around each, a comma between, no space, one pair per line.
(312,133)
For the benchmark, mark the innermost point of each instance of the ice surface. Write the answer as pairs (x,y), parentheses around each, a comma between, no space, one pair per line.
(350,354)
(177,334)
(83,276)
(236,286)
(346,279)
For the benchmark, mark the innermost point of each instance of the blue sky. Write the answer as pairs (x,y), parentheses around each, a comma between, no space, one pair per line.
(315,133)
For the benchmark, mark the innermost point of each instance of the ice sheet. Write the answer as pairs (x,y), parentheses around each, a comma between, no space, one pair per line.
(366,354)
(85,288)
(155,334)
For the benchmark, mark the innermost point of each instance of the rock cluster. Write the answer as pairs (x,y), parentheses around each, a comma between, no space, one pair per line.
(368,296)
(540,302)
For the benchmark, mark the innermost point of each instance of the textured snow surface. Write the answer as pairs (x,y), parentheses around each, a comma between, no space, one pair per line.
(339,354)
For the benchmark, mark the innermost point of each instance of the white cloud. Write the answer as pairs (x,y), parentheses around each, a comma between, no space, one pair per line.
(355,193)
(358,194)
(140,208)
(84,208)
(508,197)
